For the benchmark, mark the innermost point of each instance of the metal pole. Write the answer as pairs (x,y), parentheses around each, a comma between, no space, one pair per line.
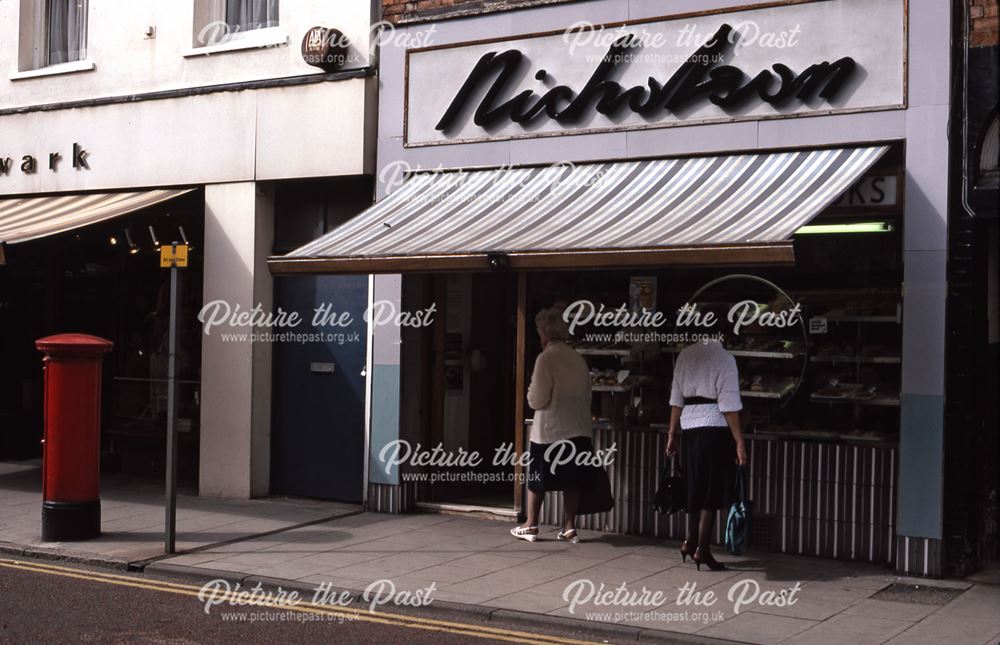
(171,505)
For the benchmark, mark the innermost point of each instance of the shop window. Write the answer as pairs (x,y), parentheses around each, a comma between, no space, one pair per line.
(53,32)
(217,22)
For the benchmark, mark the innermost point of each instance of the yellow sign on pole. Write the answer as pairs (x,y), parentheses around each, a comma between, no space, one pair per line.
(173,255)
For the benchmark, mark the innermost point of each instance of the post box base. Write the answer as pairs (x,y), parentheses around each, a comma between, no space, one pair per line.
(71,521)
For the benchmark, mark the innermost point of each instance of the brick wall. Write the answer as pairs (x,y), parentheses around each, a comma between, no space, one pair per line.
(400,11)
(985,22)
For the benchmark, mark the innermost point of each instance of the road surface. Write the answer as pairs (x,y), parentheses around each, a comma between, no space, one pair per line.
(43,602)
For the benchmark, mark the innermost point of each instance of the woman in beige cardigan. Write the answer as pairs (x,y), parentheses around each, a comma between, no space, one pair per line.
(559,394)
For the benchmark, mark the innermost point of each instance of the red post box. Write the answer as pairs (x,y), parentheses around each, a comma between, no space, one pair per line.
(71,504)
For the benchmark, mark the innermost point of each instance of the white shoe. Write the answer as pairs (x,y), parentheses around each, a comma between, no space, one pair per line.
(569,536)
(528,533)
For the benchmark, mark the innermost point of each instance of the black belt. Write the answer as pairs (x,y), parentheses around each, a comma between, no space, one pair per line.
(698,400)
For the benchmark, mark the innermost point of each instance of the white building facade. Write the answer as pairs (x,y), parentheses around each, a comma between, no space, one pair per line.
(101,96)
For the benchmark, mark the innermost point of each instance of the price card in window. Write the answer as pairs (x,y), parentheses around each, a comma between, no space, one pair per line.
(817,325)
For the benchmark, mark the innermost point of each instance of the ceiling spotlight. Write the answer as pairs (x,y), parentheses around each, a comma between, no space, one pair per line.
(113,241)
(133,248)
(152,234)
(185,238)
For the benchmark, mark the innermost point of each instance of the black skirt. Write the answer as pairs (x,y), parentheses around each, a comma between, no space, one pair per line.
(708,460)
(542,477)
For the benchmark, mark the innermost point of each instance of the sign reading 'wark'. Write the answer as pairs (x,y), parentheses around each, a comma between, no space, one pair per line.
(779,61)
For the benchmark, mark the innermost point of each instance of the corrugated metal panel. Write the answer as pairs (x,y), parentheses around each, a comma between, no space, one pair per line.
(463,216)
(825,499)
(30,218)
(389,498)
(919,556)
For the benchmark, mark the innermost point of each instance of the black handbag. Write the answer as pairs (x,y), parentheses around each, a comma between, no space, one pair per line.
(670,496)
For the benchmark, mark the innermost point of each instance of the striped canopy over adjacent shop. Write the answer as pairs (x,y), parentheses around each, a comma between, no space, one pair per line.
(30,218)
(735,209)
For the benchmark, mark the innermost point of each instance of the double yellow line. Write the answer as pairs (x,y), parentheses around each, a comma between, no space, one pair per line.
(384,618)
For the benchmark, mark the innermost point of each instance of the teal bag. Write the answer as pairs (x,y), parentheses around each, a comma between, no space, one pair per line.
(738,522)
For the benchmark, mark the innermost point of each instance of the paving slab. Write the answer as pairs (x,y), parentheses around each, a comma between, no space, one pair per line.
(851,628)
(752,627)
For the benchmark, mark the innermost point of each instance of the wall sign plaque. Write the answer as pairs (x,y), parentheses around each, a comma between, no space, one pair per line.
(325,48)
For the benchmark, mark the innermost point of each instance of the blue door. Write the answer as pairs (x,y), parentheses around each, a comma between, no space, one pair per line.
(317,429)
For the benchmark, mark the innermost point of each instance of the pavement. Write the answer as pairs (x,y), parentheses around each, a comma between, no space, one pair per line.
(623,588)
(132,518)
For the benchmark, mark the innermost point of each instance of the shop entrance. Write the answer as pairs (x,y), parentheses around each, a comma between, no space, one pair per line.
(473,389)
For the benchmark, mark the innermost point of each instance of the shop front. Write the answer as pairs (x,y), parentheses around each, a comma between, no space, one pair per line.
(226,137)
(99,277)
(766,157)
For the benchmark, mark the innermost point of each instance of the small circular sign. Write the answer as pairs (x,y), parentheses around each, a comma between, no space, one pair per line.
(325,48)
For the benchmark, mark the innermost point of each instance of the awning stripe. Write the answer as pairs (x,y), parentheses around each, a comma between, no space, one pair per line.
(640,179)
(440,216)
(511,185)
(721,201)
(683,207)
(759,196)
(436,193)
(29,218)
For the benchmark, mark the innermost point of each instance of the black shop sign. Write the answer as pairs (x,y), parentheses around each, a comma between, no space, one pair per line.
(701,77)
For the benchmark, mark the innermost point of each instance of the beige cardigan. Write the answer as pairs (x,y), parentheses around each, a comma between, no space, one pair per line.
(559,394)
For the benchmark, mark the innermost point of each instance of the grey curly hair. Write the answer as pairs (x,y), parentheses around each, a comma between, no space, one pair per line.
(550,322)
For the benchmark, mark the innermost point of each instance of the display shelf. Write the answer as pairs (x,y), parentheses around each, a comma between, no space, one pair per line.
(779,393)
(745,353)
(748,353)
(622,387)
(833,316)
(858,358)
(886,400)
(596,351)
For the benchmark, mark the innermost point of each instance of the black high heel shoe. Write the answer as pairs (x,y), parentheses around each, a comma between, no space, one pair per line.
(709,562)
(684,551)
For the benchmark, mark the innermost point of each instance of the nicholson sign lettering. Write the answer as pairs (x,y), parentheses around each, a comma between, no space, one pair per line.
(699,77)
(779,61)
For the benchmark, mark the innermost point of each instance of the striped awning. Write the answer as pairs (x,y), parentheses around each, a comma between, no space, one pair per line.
(29,218)
(729,209)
